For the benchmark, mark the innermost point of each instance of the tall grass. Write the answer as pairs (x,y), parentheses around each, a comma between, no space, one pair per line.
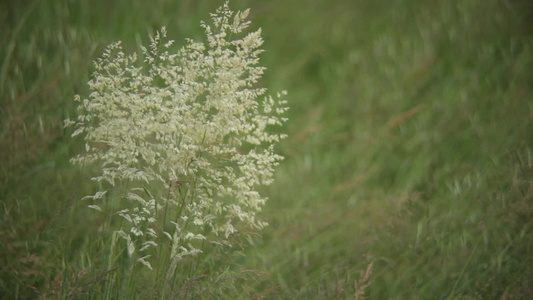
(409,148)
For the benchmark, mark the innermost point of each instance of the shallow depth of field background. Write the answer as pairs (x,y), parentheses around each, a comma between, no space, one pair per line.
(410,145)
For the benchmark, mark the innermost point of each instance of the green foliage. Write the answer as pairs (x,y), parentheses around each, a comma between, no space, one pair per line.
(409,148)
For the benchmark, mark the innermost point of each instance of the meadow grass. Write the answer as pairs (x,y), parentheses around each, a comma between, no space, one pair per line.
(409,148)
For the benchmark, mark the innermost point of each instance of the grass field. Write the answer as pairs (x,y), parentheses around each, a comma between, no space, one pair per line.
(410,149)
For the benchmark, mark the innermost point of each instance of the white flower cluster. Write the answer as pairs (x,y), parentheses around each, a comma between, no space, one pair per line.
(184,134)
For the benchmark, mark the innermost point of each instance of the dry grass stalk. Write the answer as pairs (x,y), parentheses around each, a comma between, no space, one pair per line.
(362,283)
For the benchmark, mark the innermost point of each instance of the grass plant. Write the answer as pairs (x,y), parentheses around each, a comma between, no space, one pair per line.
(409,150)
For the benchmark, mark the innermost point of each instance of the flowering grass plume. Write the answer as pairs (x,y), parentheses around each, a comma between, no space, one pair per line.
(183,138)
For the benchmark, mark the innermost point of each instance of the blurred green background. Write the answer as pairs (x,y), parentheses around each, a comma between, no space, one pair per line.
(410,135)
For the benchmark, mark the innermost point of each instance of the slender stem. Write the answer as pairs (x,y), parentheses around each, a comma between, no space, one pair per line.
(464,268)
(166,207)
(203,241)
(162,257)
